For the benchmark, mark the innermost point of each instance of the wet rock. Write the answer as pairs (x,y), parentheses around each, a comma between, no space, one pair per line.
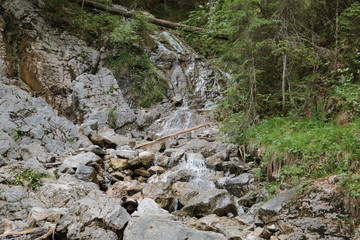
(177,62)
(157,170)
(211,201)
(86,174)
(269,212)
(142,172)
(162,161)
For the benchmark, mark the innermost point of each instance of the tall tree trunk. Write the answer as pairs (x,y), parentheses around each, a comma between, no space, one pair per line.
(336,34)
(283,81)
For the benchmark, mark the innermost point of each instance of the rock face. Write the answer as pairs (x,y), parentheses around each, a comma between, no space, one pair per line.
(189,79)
(49,60)
(99,101)
(27,121)
(83,177)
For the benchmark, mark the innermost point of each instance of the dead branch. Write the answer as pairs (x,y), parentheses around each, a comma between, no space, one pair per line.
(171,135)
(128,14)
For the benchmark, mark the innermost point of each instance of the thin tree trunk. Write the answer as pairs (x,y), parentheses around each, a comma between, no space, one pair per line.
(336,35)
(283,81)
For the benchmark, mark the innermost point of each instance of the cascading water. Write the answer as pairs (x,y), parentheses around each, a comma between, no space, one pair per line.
(189,78)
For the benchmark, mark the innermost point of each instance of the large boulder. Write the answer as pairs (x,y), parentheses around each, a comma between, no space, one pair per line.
(93,213)
(100,102)
(215,201)
(151,222)
(49,59)
(30,128)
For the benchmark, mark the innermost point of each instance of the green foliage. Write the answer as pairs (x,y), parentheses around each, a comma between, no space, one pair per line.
(129,40)
(306,149)
(352,184)
(16,134)
(112,118)
(28,178)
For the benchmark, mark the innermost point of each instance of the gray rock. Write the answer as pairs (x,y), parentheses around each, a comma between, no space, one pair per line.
(177,63)
(269,212)
(22,117)
(146,158)
(86,174)
(126,152)
(155,228)
(91,210)
(99,98)
(237,186)
(148,207)
(81,159)
(107,137)
(49,59)
(211,201)
(48,214)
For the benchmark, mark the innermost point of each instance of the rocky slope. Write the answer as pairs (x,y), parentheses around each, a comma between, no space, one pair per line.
(65,173)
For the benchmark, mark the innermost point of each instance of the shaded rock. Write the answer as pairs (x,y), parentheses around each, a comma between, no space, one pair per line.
(99,98)
(146,158)
(125,188)
(237,186)
(161,193)
(141,172)
(156,170)
(86,174)
(90,211)
(211,201)
(269,212)
(96,149)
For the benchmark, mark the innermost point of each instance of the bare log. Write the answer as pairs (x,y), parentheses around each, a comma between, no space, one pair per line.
(31,233)
(128,14)
(171,135)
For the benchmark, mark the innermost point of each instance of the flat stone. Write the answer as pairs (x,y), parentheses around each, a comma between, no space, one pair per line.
(270,211)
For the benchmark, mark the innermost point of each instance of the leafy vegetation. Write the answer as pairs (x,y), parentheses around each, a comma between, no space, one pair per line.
(129,41)
(294,91)
(28,178)
(112,118)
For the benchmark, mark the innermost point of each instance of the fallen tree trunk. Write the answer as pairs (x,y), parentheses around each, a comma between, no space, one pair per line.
(128,14)
(171,135)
